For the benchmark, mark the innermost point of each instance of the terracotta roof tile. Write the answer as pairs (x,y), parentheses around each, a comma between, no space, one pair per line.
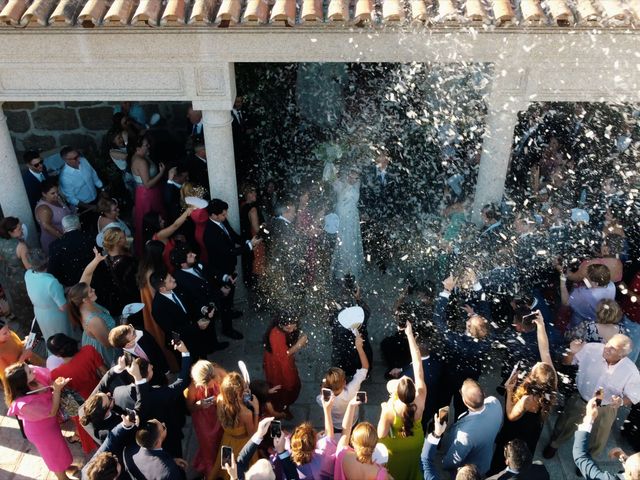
(13,11)
(295,13)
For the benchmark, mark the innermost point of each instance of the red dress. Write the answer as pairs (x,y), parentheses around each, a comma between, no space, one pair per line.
(208,429)
(280,369)
(200,218)
(82,370)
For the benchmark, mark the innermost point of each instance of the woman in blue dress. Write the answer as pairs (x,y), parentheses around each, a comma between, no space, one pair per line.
(94,319)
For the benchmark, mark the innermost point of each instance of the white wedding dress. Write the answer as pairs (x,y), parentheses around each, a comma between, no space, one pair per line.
(348,256)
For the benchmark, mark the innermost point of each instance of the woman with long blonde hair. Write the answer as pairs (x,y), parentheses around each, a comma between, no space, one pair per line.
(201,402)
(238,422)
(354,456)
(528,404)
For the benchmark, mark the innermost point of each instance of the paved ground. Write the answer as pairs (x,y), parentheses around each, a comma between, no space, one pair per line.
(19,460)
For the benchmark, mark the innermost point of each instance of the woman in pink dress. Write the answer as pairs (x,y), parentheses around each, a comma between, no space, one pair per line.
(201,402)
(148,180)
(32,397)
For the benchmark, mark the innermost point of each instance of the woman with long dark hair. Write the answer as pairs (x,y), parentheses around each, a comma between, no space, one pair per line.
(14,260)
(35,399)
(282,341)
(400,425)
(49,212)
(528,404)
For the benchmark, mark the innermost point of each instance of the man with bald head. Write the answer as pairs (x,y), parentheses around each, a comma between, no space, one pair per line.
(472,437)
(603,367)
(584,462)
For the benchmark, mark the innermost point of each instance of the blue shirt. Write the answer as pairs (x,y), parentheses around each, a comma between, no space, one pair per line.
(80,184)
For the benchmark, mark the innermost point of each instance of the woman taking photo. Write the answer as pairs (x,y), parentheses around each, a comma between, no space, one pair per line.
(201,402)
(400,426)
(148,177)
(14,260)
(91,317)
(239,423)
(31,396)
(282,341)
(49,212)
(354,457)
(528,404)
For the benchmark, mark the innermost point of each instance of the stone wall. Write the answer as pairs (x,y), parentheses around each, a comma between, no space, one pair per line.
(51,125)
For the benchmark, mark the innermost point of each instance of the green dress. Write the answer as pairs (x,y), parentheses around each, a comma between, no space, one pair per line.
(108,353)
(404,452)
(12,280)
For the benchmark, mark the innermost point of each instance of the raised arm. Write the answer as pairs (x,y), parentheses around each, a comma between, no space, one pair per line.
(543,339)
(326,409)
(165,234)
(418,371)
(347,423)
(362,355)
(89,270)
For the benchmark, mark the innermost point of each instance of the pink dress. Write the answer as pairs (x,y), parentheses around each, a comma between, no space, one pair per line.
(147,200)
(41,429)
(338,473)
(208,431)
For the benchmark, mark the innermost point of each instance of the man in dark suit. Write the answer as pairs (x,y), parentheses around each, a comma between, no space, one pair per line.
(33,176)
(108,460)
(223,246)
(585,463)
(378,209)
(71,253)
(147,460)
(178,175)
(142,345)
(175,314)
(192,280)
(198,167)
(241,129)
(518,459)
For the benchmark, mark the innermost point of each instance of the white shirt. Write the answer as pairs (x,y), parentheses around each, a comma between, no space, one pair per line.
(621,379)
(39,175)
(80,184)
(346,395)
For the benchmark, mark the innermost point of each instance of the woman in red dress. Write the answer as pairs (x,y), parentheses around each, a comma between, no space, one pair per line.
(85,367)
(201,402)
(282,341)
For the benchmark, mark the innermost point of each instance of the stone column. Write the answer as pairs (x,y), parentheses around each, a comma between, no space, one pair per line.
(501,120)
(13,196)
(220,160)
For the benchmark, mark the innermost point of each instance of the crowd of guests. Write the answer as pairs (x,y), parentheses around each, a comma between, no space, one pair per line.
(130,306)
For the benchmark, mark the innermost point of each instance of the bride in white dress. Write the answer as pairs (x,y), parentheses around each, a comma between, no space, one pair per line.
(348,256)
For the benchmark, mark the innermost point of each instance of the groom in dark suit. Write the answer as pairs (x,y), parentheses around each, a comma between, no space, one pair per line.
(378,208)
(223,246)
(33,176)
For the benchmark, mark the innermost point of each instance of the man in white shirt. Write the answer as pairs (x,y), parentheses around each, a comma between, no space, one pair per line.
(79,182)
(335,380)
(599,366)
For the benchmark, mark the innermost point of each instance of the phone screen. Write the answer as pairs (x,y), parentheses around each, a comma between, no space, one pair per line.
(326,394)
(175,336)
(443,415)
(361,397)
(225,455)
(527,320)
(276,428)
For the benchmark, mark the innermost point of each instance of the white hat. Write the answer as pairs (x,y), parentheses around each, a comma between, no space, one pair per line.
(579,215)
(351,317)
(132,308)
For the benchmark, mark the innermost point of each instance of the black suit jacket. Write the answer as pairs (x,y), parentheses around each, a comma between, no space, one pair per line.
(32,185)
(223,249)
(171,195)
(199,291)
(143,464)
(115,442)
(69,255)
(198,171)
(152,350)
(171,317)
(533,472)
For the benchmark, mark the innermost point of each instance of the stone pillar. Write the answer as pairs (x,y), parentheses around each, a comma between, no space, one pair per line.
(220,160)
(501,120)
(13,196)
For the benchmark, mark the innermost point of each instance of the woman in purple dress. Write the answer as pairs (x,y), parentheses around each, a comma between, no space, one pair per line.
(34,399)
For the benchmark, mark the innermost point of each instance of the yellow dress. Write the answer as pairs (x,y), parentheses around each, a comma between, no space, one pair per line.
(10,352)
(403,451)
(236,438)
